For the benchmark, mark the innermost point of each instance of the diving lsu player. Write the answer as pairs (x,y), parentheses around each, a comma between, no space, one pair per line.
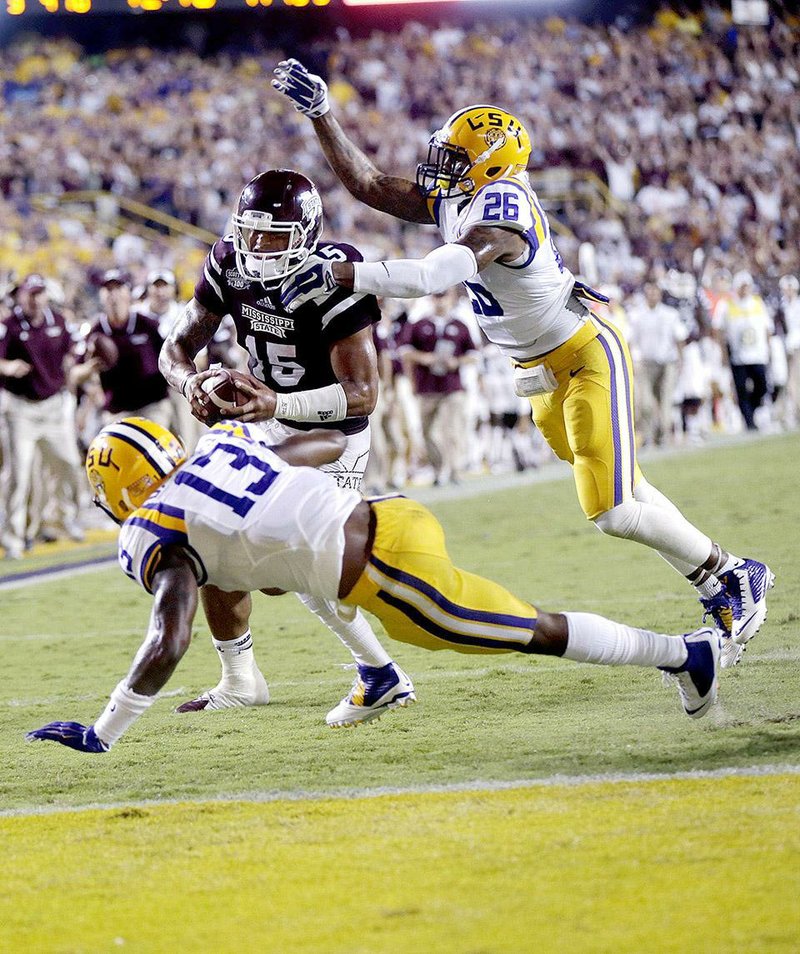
(573,366)
(244,515)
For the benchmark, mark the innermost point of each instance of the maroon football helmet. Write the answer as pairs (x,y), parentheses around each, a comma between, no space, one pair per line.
(276,225)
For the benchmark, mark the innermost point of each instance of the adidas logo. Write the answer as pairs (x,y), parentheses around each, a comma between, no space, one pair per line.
(324,415)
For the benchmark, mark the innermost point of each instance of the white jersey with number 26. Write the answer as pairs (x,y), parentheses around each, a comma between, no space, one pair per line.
(519,306)
(248,520)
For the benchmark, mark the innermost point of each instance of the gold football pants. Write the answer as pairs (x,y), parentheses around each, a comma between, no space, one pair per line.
(411,585)
(588,419)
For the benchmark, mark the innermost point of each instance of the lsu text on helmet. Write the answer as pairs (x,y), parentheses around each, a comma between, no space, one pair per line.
(276,225)
(476,145)
(128,461)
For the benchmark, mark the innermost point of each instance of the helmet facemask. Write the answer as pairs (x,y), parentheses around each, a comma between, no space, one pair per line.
(477,145)
(446,169)
(270,266)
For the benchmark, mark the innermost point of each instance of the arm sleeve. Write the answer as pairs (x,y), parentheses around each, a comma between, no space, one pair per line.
(441,269)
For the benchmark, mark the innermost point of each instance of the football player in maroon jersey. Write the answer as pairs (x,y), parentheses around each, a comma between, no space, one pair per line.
(314,368)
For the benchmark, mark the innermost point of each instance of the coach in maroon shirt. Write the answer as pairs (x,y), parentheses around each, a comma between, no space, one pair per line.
(134,385)
(35,349)
(433,346)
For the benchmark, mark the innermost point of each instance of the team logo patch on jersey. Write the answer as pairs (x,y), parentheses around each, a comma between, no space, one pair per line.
(263,321)
(235,280)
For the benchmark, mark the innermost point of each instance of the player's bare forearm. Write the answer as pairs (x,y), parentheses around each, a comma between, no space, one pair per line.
(312,449)
(191,333)
(175,594)
(355,364)
(392,194)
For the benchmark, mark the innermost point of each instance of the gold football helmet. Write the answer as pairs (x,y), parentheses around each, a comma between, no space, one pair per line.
(476,145)
(128,461)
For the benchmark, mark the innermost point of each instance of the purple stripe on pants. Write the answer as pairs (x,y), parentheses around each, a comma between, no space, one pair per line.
(614,424)
(628,389)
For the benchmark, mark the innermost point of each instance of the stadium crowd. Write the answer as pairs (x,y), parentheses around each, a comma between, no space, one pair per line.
(691,125)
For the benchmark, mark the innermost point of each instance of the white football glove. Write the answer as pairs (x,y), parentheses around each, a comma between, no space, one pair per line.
(314,282)
(308,92)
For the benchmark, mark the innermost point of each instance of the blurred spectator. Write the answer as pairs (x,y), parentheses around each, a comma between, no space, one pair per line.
(790,311)
(747,327)
(655,336)
(132,384)
(508,446)
(434,345)
(160,304)
(35,348)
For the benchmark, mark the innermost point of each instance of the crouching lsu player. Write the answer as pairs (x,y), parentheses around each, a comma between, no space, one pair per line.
(246,516)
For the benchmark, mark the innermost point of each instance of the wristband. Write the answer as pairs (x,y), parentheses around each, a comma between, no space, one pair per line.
(123,709)
(318,406)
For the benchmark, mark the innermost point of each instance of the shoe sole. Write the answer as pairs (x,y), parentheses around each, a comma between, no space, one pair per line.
(752,627)
(373,715)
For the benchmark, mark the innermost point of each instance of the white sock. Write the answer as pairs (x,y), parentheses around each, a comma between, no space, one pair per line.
(595,639)
(235,655)
(351,627)
(730,564)
(123,709)
(670,535)
(646,493)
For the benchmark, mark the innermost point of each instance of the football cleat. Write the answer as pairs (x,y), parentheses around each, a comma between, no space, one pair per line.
(230,693)
(747,586)
(721,609)
(375,690)
(696,679)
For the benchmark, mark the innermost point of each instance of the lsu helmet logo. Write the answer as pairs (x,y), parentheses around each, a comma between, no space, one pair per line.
(128,461)
(476,145)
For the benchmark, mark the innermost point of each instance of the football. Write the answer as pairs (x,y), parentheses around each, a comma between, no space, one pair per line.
(104,350)
(222,391)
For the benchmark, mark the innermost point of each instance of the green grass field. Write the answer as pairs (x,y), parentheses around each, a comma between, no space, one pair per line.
(302,865)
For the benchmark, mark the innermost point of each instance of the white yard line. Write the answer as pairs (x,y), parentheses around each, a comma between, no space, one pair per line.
(346,794)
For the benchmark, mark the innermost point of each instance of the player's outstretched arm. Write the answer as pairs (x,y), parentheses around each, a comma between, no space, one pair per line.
(190,334)
(443,268)
(175,595)
(312,449)
(176,591)
(392,194)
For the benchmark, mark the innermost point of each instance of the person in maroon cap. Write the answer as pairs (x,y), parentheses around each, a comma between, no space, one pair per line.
(133,385)
(160,302)
(35,351)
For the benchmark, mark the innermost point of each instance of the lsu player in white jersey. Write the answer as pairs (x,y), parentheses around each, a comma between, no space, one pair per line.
(242,515)
(573,366)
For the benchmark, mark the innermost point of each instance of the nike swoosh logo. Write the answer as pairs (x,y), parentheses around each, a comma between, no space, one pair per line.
(577,371)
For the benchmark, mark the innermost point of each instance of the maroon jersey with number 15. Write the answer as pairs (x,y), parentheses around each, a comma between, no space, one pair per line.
(287,352)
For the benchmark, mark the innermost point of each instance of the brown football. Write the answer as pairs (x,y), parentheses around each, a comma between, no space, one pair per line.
(221,389)
(104,350)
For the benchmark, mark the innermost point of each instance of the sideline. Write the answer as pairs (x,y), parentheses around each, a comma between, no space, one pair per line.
(15,581)
(352,794)
(473,487)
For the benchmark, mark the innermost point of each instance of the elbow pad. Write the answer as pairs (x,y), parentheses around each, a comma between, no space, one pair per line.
(443,268)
